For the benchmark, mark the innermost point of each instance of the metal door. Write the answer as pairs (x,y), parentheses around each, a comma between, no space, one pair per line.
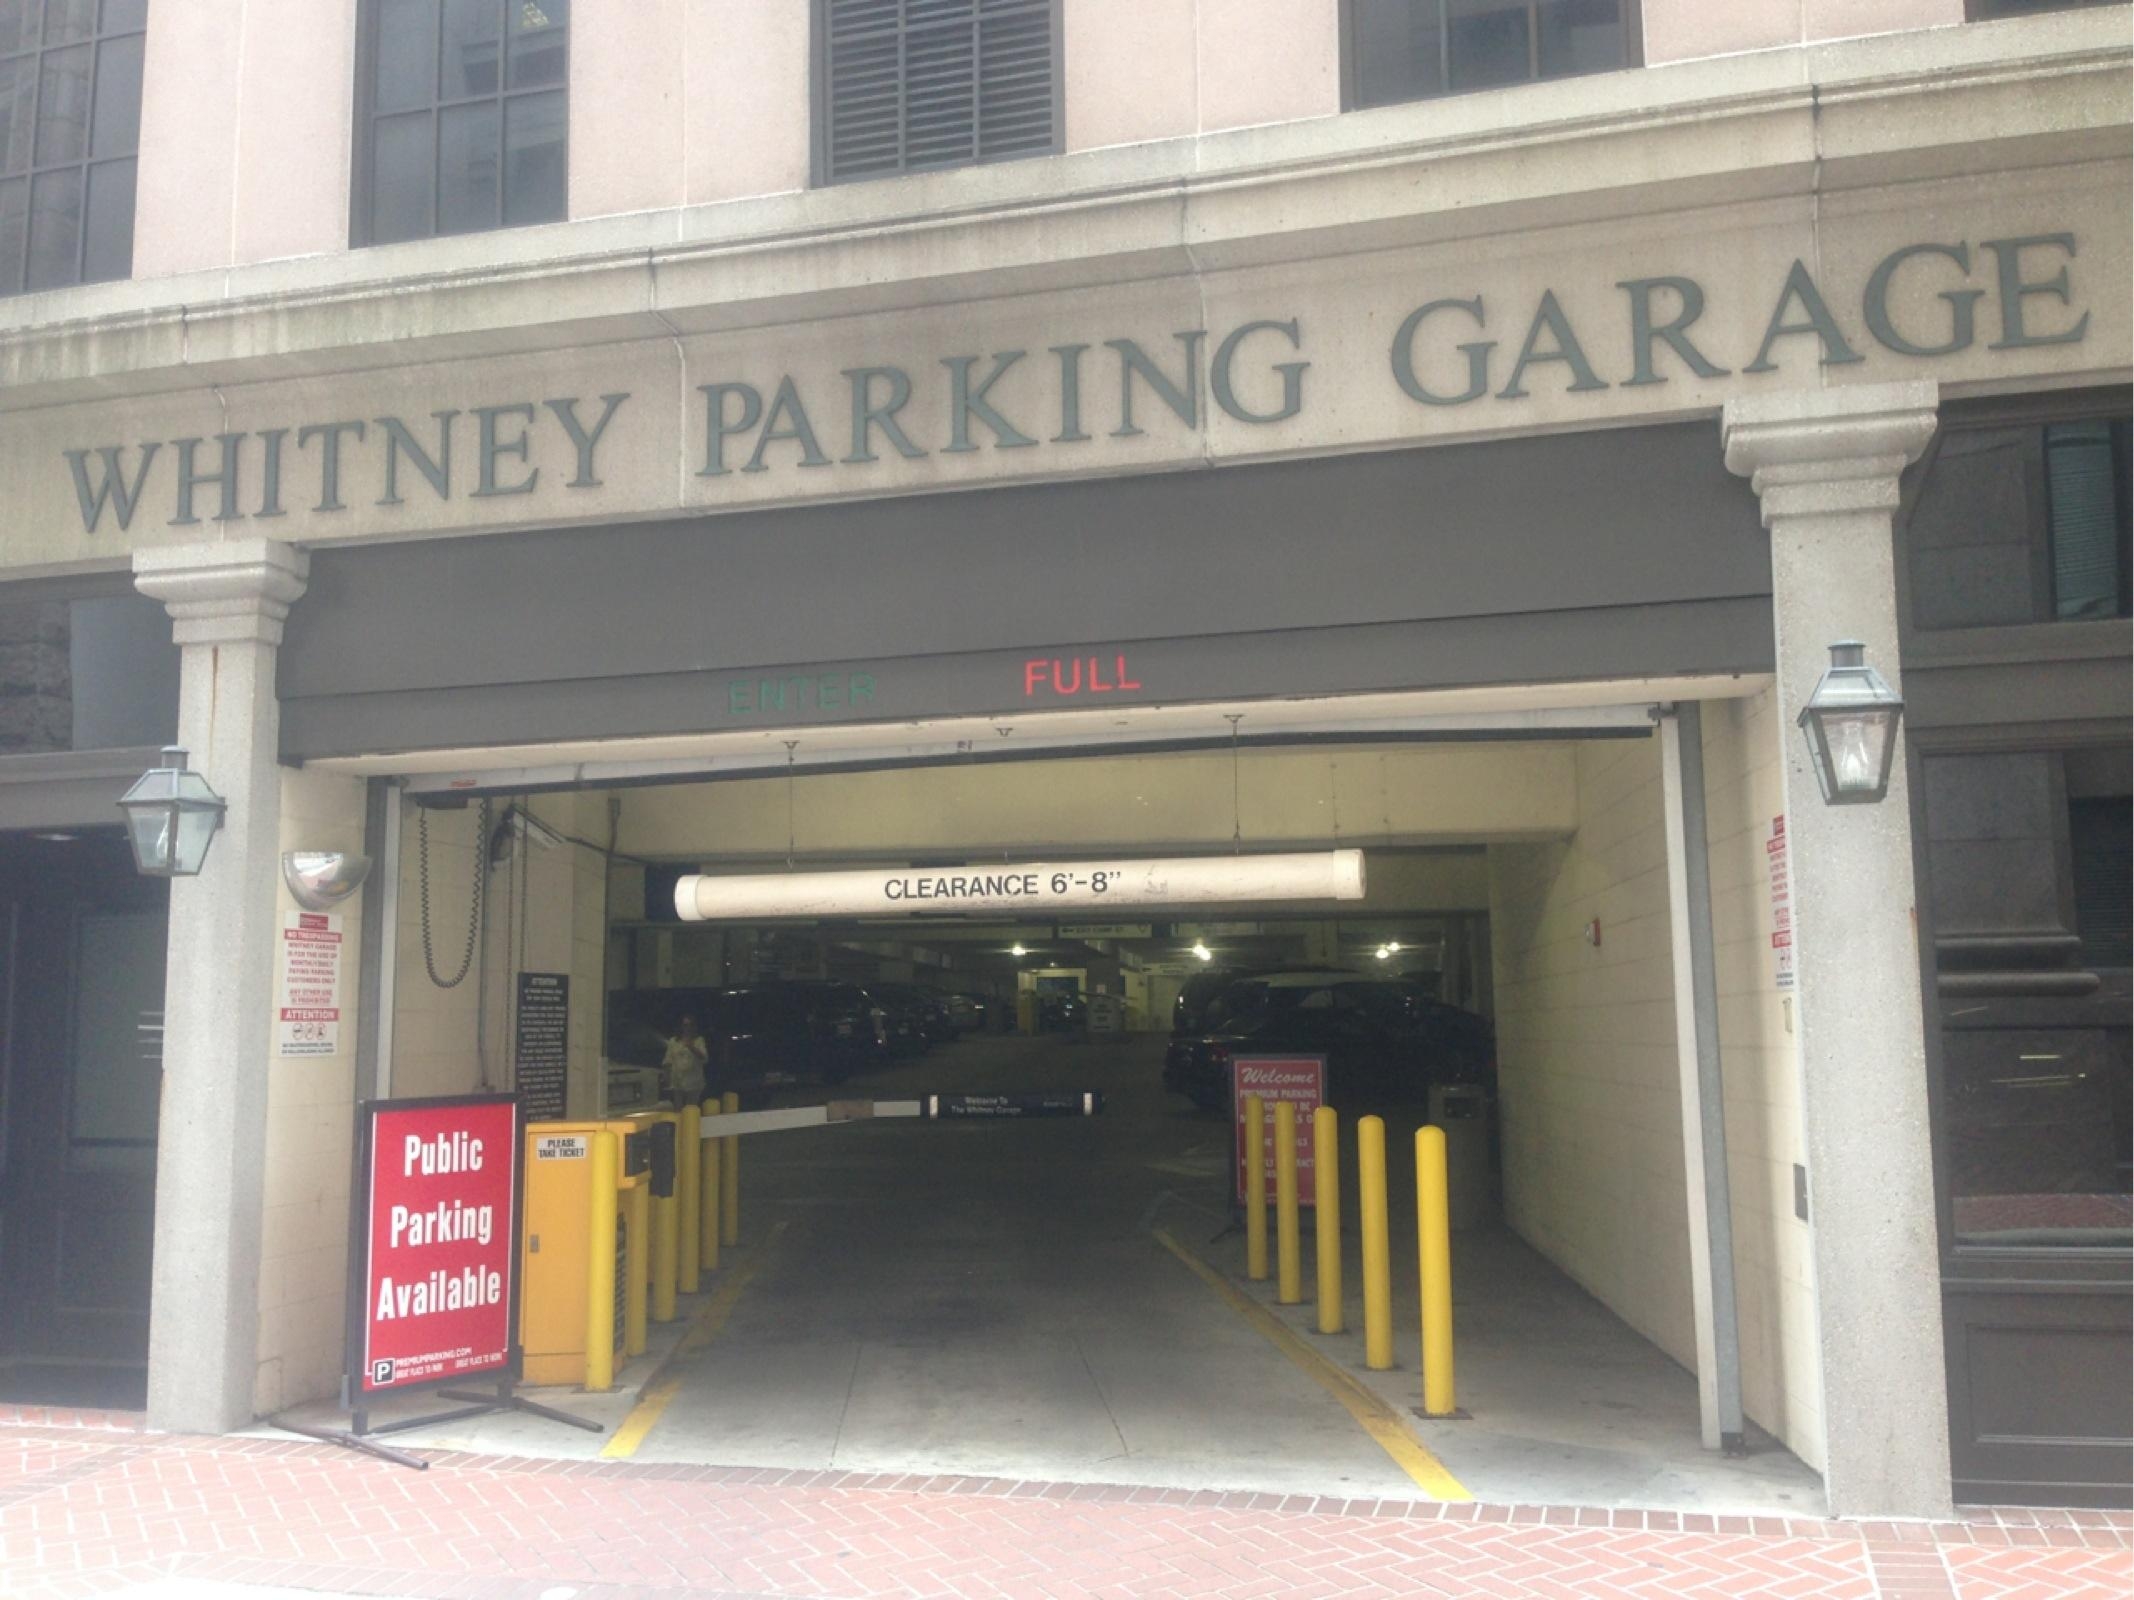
(82,941)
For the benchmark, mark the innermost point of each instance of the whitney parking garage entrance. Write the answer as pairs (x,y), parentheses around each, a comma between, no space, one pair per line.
(556,726)
(1069,1300)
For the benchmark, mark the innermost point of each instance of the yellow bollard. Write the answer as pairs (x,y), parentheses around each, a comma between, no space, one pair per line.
(1289,1270)
(666,1251)
(708,1185)
(1326,1214)
(1255,1189)
(730,1176)
(600,1266)
(689,1210)
(1377,1251)
(637,1234)
(1433,1232)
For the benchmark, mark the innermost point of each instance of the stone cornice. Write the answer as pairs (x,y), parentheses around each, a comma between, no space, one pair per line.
(238,592)
(1769,125)
(1823,452)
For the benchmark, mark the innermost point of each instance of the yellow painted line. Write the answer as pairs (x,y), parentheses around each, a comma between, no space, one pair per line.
(704,1327)
(1373,1414)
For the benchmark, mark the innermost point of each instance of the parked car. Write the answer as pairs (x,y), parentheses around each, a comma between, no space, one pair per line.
(1200,990)
(903,1019)
(1060,1010)
(758,1036)
(966,1012)
(1387,1042)
(928,1009)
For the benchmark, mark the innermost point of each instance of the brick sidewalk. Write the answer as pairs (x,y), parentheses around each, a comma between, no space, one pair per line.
(89,1506)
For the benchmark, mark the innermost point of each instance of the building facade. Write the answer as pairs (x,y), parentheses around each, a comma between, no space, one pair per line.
(401,398)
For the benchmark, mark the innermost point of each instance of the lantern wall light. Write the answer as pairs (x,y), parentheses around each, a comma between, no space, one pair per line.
(1850,723)
(171,818)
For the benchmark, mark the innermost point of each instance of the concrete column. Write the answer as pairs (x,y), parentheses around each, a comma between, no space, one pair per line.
(1826,465)
(227,602)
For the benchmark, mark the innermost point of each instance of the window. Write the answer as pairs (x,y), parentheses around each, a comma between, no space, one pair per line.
(918,85)
(2027,522)
(85,672)
(1398,50)
(462,117)
(70,126)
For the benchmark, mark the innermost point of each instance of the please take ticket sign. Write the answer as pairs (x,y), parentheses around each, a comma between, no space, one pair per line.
(434,1294)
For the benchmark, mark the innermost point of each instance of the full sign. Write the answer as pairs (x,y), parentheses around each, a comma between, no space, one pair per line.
(1035,887)
(1301,1080)
(439,1181)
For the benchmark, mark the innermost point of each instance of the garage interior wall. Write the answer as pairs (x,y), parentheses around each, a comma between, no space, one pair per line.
(310,1113)
(1586,1052)
(546,912)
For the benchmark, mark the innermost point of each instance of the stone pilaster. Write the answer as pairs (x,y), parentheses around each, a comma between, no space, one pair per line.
(227,603)
(1826,465)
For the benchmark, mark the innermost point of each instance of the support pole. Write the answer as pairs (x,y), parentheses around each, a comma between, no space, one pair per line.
(730,1176)
(600,1265)
(1702,1090)
(1377,1246)
(1255,1189)
(637,1243)
(1433,1229)
(1289,1275)
(709,1184)
(1326,1214)
(666,1255)
(689,1206)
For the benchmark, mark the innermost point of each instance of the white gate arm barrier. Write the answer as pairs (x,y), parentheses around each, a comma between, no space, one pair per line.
(930,1107)
(1033,886)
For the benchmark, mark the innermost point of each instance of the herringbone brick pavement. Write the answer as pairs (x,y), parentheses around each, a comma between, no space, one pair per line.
(100,1509)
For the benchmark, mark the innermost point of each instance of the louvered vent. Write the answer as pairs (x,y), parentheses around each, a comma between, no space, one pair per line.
(919,84)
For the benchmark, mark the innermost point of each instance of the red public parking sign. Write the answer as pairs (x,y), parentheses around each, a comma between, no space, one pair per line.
(1299,1079)
(439,1187)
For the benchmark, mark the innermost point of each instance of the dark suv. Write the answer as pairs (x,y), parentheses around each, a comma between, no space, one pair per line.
(1387,1042)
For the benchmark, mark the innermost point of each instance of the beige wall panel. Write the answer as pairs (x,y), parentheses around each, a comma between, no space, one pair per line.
(1550,290)
(1268,61)
(310,1101)
(1446,794)
(298,109)
(745,98)
(1683,30)
(1587,1057)
(1848,19)
(184,208)
(1129,71)
(628,106)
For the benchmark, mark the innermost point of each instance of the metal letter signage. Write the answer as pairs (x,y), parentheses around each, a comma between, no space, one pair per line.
(1037,887)
(435,1245)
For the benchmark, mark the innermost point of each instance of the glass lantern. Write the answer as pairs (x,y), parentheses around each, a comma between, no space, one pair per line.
(171,818)
(1850,723)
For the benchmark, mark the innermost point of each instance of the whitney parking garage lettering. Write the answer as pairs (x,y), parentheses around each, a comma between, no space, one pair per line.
(1447,351)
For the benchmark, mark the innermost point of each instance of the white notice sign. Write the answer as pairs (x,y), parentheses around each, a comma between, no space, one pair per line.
(1781,905)
(308,1018)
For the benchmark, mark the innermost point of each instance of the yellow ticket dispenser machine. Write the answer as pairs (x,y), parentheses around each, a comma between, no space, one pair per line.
(555,1253)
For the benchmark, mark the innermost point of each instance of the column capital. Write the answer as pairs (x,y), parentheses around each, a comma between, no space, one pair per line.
(234,591)
(1811,452)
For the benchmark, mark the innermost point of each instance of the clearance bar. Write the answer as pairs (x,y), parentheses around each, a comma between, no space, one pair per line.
(1029,887)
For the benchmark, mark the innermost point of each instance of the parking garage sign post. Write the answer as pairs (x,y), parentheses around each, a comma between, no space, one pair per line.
(433,1263)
